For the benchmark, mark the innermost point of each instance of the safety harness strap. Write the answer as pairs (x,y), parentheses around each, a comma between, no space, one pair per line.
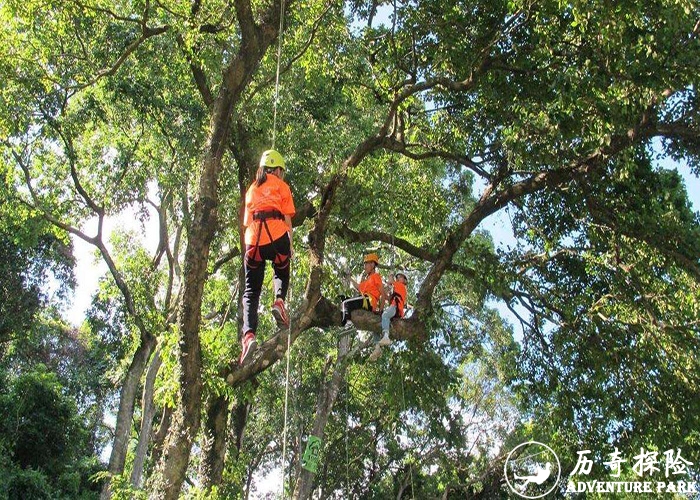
(263,215)
(396,298)
(253,253)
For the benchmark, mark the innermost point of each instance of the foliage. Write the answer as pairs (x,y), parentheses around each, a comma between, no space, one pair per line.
(30,255)
(607,359)
(45,439)
(413,122)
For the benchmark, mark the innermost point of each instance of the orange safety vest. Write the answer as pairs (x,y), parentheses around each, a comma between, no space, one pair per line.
(372,287)
(272,196)
(398,297)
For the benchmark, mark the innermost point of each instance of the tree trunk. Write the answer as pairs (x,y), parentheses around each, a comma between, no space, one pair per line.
(211,468)
(239,418)
(148,413)
(324,406)
(172,469)
(255,39)
(125,414)
(161,434)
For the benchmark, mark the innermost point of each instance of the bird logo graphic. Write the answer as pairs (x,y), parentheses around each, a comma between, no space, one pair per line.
(532,470)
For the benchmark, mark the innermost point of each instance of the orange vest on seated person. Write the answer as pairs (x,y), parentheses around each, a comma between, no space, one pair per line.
(372,286)
(399,298)
(273,195)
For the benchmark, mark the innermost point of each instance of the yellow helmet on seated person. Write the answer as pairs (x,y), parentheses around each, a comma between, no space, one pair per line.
(272,159)
(372,257)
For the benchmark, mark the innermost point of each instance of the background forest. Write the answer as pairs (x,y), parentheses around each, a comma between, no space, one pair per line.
(407,126)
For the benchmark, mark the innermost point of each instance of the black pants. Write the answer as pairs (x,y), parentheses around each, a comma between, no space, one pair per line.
(254,265)
(353,304)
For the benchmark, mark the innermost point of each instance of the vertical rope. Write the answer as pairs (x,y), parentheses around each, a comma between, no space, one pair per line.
(289,330)
(277,74)
(286,382)
(347,453)
(393,167)
(410,465)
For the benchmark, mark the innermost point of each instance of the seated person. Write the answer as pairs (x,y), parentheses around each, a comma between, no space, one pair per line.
(371,291)
(397,301)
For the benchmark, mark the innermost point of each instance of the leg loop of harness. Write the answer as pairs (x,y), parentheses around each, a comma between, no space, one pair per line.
(253,259)
(281,261)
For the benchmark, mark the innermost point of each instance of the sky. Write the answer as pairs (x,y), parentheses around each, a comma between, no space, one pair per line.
(90,266)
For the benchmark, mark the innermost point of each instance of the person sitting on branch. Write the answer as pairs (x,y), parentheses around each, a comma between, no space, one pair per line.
(269,209)
(371,290)
(397,302)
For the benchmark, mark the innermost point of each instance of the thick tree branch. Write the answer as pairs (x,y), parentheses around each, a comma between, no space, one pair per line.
(677,131)
(246,22)
(200,79)
(491,202)
(171,472)
(427,153)
(419,252)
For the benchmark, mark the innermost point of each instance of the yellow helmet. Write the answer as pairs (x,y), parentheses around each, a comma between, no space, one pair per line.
(372,257)
(272,159)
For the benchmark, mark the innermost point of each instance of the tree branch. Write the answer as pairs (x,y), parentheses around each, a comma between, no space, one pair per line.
(146,34)
(200,79)
(314,30)
(403,148)
(491,202)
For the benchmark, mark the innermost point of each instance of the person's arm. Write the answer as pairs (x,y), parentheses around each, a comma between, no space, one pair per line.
(288,221)
(390,280)
(382,295)
(247,215)
(287,207)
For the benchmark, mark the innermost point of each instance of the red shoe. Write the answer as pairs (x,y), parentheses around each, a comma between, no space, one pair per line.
(279,311)
(248,346)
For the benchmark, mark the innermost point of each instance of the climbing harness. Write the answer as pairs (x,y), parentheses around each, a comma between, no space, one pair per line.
(253,257)
(366,302)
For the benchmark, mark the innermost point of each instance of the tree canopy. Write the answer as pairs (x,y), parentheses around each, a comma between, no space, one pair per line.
(405,126)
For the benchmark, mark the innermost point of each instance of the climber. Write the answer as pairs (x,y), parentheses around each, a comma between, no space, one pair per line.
(269,209)
(371,290)
(397,301)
